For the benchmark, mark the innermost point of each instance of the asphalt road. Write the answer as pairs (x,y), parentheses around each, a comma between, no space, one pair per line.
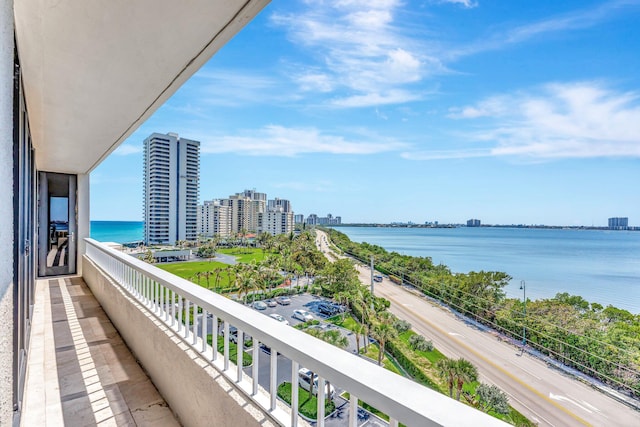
(542,394)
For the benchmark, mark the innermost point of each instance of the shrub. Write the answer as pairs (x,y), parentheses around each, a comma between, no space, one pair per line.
(401,326)
(418,342)
(492,398)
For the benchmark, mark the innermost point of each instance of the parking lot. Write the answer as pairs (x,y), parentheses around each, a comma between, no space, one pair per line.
(311,304)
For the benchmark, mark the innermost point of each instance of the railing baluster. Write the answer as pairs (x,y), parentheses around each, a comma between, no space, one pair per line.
(179,315)
(194,333)
(156,294)
(295,366)
(254,370)
(163,307)
(353,410)
(187,318)
(273,378)
(239,353)
(225,339)
(214,338)
(203,329)
(321,395)
(173,308)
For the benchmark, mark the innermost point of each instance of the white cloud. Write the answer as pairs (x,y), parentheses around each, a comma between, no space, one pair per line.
(127,149)
(360,50)
(235,87)
(469,4)
(282,141)
(574,20)
(578,120)
(315,81)
(374,99)
(445,154)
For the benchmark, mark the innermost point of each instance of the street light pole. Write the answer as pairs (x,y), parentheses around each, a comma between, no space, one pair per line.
(524,322)
(372,294)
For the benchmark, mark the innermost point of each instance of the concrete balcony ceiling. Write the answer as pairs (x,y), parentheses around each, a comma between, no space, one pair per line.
(94,71)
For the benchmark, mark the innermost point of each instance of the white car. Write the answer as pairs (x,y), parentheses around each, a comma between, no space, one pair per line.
(304,380)
(279,318)
(303,315)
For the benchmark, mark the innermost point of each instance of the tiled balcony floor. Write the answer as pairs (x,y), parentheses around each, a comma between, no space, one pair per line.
(80,372)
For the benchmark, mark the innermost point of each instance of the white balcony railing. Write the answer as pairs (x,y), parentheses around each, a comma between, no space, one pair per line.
(171,298)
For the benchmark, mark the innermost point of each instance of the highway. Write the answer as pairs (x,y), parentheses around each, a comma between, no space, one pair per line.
(544,395)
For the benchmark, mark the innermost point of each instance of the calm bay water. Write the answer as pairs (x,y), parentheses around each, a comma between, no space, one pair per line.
(601,266)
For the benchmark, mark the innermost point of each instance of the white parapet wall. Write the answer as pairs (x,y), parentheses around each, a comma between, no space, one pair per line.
(197,393)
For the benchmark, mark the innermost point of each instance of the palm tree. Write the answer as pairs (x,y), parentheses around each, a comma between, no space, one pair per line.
(384,333)
(447,371)
(359,330)
(246,280)
(207,276)
(465,372)
(216,281)
(344,298)
(197,276)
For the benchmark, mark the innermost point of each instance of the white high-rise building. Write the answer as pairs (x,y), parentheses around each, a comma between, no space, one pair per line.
(214,218)
(171,184)
(277,221)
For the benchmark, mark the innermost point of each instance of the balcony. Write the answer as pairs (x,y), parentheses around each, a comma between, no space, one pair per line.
(164,321)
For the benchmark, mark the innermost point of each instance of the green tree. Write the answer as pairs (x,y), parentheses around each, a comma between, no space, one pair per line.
(383,332)
(465,372)
(447,369)
(490,397)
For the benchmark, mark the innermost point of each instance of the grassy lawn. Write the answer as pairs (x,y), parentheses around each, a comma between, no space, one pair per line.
(306,406)
(244,255)
(187,270)
(233,351)
(348,323)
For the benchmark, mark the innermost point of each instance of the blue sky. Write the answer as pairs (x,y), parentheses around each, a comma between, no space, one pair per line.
(443,110)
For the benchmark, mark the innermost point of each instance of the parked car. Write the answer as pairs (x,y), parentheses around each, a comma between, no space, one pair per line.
(283,300)
(327,309)
(279,318)
(303,315)
(304,380)
(260,305)
(271,303)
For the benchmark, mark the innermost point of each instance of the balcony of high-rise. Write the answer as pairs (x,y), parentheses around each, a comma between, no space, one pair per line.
(119,341)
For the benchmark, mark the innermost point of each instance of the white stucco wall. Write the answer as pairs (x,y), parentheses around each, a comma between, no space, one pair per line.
(6,212)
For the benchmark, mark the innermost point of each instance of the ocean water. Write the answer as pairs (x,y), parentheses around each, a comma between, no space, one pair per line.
(117,231)
(599,265)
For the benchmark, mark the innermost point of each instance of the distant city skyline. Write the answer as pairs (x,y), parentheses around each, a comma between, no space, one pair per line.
(440,110)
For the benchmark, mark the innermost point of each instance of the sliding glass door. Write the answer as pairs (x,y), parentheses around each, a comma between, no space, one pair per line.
(57,223)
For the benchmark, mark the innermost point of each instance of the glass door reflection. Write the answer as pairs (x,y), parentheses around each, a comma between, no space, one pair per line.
(58,254)
(57,223)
